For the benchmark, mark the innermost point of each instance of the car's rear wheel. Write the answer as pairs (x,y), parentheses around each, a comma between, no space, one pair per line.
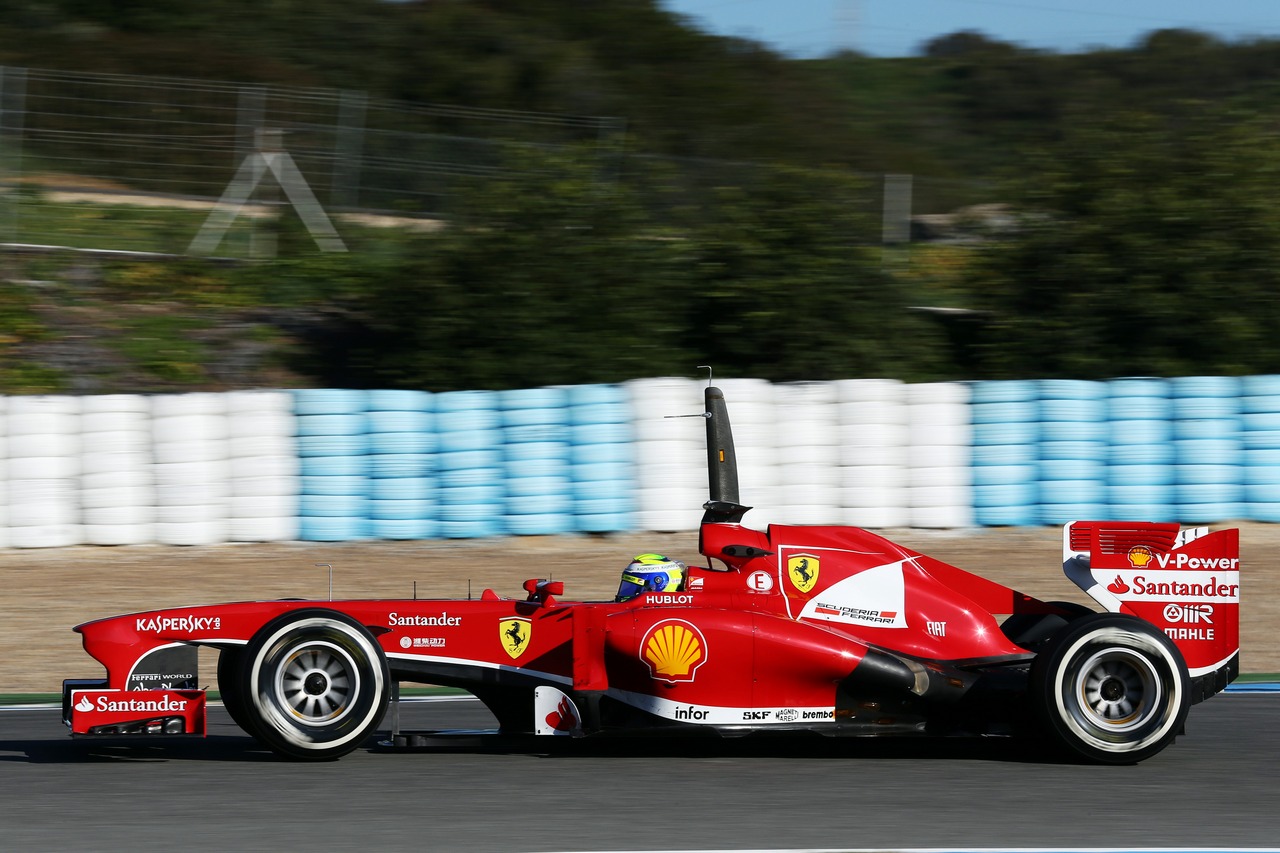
(315,684)
(1111,688)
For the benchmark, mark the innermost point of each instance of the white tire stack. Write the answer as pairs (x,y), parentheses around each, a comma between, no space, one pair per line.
(117,495)
(872,421)
(263,467)
(4,472)
(806,422)
(192,471)
(753,417)
(939,456)
(670,453)
(43,471)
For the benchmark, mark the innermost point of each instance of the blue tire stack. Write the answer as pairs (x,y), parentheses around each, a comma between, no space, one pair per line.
(1260,441)
(472,497)
(402,465)
(333,444)
(1207,448)
(536,461)
(1005,433)
(1140,452)
(1073,449)
(602,468)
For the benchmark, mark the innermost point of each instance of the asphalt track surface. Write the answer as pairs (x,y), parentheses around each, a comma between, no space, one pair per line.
(1214,789)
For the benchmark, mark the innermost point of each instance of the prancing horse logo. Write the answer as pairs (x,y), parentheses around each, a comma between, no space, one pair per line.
(514,632)
(803,571)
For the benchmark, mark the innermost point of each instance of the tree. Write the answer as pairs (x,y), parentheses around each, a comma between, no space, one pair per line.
(1146,246)
(789,283)
(547,274)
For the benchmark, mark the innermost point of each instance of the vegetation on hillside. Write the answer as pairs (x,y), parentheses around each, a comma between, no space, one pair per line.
(1143,239)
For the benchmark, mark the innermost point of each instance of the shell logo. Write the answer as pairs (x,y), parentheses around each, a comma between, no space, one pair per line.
(1139,556)
(674,650)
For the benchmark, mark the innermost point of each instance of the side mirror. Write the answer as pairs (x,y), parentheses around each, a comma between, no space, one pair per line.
(542,590)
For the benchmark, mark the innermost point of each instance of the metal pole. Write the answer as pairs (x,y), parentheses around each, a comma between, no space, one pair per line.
(13,100)
(896,218)
(897,209)
(348,146)
(250,118)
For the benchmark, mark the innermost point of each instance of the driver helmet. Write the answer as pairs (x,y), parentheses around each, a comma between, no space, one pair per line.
(650,573)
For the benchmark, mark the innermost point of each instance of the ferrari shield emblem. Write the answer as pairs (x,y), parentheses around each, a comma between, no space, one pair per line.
(514,632)
(803,571)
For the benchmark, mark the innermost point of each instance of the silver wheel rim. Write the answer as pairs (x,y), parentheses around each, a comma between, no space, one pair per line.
(1117,692)
(316,682)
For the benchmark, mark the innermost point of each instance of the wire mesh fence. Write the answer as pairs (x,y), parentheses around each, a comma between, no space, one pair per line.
(131,163)
(179,166)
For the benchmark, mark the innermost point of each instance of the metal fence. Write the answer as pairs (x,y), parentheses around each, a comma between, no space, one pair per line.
(125,162)
(181,166)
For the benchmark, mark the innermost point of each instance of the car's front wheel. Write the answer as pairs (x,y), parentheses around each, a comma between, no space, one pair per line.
(1112,688)
(230,684)
(314,684)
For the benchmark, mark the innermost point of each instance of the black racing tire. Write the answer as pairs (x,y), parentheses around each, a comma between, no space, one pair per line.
(1110,688)
(230,679)
(315,684)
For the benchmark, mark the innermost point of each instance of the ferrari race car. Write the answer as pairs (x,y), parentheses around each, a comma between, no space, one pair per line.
(824,629)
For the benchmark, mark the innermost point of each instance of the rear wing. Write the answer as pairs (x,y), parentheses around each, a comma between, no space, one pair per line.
(1186,582)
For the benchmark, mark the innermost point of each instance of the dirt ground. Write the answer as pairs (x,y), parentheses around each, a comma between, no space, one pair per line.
(46,592)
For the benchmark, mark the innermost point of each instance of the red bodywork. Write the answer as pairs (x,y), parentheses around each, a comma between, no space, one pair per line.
(755,643)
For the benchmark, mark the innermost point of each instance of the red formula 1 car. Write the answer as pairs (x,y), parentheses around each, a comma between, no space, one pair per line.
(824,629)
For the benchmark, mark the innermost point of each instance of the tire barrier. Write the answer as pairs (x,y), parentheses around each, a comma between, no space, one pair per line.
(331,429)
(1071,469)
(536,435)
(1006,434)
(872,446)
(1207,447)
(43,452)
(402,482)
(472,464)
(1140,452)
(602,470)
(807,465)
(117,488)
(670,452)
(940,437)
(1260,447)
(331,465)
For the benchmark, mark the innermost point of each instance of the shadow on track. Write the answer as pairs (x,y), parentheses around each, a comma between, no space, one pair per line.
(138,749)
(801,747)
(232,748)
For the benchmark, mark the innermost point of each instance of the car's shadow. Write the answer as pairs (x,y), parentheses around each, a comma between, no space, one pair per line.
(242,748)
(801,747)
(133,749)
